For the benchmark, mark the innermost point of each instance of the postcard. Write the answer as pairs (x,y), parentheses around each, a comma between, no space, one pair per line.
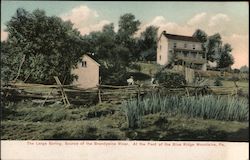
(85,80)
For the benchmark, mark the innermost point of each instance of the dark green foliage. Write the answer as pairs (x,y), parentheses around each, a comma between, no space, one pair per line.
(213,47)
(200,35)
(148,43)
(139,76)
(236,70)
(225,59)
(51,47)
(170,79)
(128,26)
(115,51)
(218,82)
(113,73)
(214,51)
(9,63)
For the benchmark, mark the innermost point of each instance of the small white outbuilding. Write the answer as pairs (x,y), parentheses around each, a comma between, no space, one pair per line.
(87,71)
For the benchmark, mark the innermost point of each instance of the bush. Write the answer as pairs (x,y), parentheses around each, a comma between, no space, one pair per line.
(236,70)
(170,79)
(218,82)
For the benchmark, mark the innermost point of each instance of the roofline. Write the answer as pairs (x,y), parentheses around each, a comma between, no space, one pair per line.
(165,34)
(91,59)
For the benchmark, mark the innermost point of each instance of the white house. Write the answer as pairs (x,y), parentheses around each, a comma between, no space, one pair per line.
(88,73)
(180,50)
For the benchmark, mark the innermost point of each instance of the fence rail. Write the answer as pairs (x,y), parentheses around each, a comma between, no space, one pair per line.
(49,93)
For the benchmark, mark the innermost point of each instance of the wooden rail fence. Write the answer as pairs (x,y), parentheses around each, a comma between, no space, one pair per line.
(70,94)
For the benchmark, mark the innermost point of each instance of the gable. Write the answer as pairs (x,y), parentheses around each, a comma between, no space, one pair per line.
(88,58)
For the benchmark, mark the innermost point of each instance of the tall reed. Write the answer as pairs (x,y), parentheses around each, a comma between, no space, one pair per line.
(207,107)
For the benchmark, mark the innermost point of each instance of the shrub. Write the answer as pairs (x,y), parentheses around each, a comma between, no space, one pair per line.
(170,79)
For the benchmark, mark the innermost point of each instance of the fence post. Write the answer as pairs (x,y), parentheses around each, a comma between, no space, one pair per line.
(99,94)
(64,96)
(138,95)
(236,88)
(186,88)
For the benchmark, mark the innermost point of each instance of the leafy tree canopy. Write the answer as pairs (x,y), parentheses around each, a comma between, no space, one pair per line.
(214,50)
(225,59)
(51,46)
(148,43)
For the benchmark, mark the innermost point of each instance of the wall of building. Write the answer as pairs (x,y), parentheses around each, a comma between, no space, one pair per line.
(181,44)
(165,49)
(162,50)
(88,77)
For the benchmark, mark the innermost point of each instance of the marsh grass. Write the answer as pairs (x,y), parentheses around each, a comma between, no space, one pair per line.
(226,108)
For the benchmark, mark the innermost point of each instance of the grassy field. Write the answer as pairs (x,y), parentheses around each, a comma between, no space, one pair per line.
(244,85)
(148,68)
(187,120)
(25,120)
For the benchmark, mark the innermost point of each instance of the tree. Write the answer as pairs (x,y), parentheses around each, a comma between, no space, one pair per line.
(114,69)
(244,69)
(213,47)
(112,56)
(9,62)
(200,35)
(128,26)
(51,46)
(148,43)
(226,59)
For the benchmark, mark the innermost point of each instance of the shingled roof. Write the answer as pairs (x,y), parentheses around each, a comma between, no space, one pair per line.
(180,37)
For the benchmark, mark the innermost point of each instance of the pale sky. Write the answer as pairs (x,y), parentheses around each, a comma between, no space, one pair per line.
(230,19)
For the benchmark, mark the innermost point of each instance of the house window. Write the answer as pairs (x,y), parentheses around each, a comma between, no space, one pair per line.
(185,54)
(84,64)
(175,45)
(160,57)
(185,45)
(193,46)
(160,47)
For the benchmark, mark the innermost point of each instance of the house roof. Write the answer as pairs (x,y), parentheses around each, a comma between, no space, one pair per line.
(87,56)
(181,37)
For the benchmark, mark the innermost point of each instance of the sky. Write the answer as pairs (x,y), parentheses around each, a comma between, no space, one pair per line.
(230,19)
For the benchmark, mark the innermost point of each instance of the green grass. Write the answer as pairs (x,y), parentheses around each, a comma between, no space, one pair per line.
(244,85)
(206,107)
(149,68)
(26,121)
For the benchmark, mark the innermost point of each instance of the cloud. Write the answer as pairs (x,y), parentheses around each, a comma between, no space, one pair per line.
(80,14)
(170,27)
(94,27)
(240,47)
(158,20)
(217,19)
(84,19)
(197,19)
(4,35)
